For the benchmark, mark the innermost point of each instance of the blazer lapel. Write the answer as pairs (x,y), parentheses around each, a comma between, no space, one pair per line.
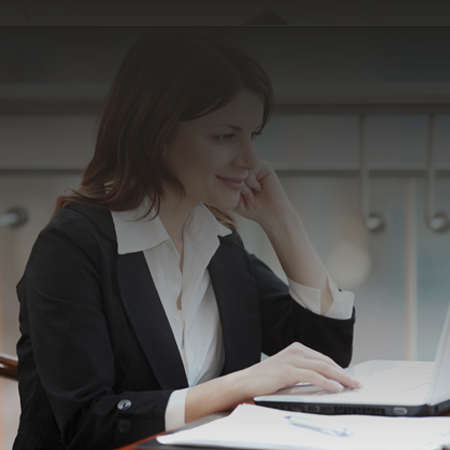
(149,320)
(235,292)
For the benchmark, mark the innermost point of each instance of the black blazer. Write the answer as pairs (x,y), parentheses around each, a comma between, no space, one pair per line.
(97,357)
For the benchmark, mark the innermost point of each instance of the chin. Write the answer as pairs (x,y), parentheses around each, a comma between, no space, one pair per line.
(226,205)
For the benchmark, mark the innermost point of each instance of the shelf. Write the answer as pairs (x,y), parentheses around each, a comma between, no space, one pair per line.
(301,98)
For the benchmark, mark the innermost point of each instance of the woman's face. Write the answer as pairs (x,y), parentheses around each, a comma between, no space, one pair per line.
(213,154)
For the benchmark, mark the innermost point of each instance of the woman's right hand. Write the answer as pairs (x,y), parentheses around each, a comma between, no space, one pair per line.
(296,363)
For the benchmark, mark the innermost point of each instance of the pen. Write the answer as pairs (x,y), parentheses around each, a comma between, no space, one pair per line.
(317,426)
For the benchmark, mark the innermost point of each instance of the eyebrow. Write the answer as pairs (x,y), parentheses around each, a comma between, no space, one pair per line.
(236,127)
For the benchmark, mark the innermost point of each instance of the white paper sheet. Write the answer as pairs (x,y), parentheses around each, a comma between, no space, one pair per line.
(257,427)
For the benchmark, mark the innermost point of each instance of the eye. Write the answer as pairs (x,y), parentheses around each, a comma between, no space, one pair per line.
(256,134)
(225,137)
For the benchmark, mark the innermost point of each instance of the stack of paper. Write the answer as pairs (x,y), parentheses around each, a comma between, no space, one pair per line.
(257,427)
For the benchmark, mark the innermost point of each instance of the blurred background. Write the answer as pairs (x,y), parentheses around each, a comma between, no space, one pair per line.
(360,138)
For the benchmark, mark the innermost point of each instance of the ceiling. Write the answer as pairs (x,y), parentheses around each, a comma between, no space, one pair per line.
(61,55)
(230,12)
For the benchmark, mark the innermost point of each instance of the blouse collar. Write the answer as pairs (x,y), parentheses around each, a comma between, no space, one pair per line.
(135,234)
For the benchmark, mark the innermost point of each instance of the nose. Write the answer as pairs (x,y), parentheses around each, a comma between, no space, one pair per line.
(247,156)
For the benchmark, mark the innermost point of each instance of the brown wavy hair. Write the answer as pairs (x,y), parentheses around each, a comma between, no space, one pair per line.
(161,81)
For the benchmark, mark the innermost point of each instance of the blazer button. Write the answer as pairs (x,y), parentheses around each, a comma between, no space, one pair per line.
(124,426)
(123,405)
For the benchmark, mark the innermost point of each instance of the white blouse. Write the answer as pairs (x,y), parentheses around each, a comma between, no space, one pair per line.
(187,296)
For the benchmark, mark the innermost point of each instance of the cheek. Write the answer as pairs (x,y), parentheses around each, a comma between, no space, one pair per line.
(193,169)
(198,158)
(183,158)
(206,159)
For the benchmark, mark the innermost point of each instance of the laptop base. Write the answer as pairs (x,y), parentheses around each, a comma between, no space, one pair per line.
(375,410)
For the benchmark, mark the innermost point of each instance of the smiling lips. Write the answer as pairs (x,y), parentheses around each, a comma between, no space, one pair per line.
(233,183)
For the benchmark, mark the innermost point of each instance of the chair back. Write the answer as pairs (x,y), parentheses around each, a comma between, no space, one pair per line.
(8,366)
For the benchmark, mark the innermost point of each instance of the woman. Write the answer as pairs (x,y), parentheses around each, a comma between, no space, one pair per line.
(140,308)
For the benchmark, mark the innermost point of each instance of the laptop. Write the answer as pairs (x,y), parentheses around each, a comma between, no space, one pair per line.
(390,388)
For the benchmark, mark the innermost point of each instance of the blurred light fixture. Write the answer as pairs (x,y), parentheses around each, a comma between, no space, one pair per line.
(350,264)
(15,217)
(436,221)
(374,221)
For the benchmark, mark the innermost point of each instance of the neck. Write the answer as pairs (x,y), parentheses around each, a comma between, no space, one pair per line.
(174,211)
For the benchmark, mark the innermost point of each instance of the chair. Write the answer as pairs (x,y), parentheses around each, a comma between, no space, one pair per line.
(8,366)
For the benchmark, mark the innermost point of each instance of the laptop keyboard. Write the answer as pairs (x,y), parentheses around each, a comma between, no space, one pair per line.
(412,377)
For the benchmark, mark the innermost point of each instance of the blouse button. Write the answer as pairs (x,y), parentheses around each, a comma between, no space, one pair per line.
(123,405)
(124,426)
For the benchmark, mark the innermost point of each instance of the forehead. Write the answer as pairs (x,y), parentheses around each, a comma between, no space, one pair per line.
(245,110)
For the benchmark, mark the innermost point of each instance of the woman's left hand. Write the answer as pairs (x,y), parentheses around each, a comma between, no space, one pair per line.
(263,200)
(263,196)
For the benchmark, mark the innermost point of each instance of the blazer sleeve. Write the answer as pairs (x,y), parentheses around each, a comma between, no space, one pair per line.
(65,348)
(284,321)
